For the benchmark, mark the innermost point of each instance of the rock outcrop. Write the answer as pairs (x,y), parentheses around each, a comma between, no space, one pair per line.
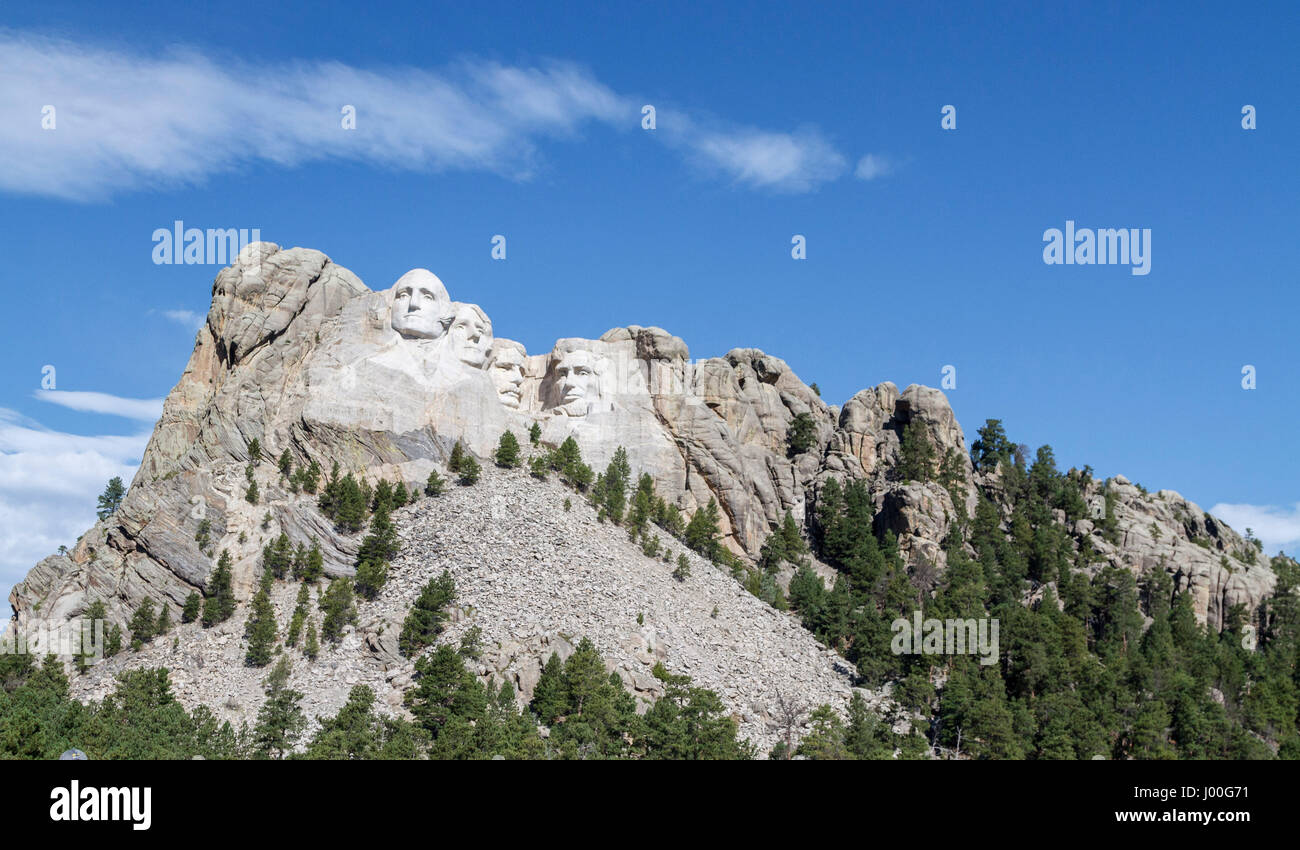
(299,355)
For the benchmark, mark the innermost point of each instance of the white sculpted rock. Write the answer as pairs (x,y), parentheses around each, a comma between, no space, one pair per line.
(421,307)
(507,362)
(297,353)
(471,334)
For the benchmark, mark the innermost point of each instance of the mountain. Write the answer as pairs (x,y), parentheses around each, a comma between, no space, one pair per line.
(299,358)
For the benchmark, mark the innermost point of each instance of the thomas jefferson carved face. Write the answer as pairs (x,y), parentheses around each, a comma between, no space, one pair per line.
(507,371)
(420,305)
(471,333)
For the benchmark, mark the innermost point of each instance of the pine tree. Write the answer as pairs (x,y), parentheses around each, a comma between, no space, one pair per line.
(260,630)
(371,576)
(312,647)
(94,617)
(255,451)
(645,505)
(164,620)
(826,741)
(220,602)
(277,557)
(252,495)
(384,496)
(772,554)
(457,455)
(683,570)
(535,434)
(381,544)
(802,435)
(507,455)
(796,550)
(193,605)
(111,499)
(315,564)
(311,479)
(300,561)
(400,495)
(549,700)
(376,551)
(285,463)
(916,462)
(299,618)
(992,446)
(702,531)
(424,622)
(567,460)
(434,485)
(113,643)
(469,470)
(350,505)
(280,720)
(339,607)
(143,623)
(446,694)
(610,492)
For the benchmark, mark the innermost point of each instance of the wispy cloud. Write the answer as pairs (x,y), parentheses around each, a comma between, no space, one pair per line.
(872,166)
(1276,527)
(187,318)
(144,409)
(800,161)
(49,481)
(125,121)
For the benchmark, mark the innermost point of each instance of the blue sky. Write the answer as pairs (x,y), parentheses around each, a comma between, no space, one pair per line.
(482,119)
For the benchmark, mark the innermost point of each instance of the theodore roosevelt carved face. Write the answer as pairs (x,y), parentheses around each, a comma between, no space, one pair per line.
(507,371)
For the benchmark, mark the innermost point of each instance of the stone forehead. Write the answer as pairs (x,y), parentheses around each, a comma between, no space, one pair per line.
(423,279)
(571,345)
(463,310)
(506,346)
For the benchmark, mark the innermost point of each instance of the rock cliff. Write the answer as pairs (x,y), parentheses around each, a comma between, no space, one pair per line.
(299,355)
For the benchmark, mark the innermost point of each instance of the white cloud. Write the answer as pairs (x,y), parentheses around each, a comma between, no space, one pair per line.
(761,159)
(126,121)
(187,318)
(872,166)
(1276,527)
(49,483)
(144,409)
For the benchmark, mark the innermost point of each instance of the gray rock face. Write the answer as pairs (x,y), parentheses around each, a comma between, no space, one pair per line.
(1167,532)
(509,542)
(299,354)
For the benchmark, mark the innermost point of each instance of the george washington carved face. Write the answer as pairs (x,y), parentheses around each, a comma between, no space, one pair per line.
(421,306)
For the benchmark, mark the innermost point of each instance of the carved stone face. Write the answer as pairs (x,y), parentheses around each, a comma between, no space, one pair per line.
(471,333)
(579,385)
(420,305)
(507,371)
